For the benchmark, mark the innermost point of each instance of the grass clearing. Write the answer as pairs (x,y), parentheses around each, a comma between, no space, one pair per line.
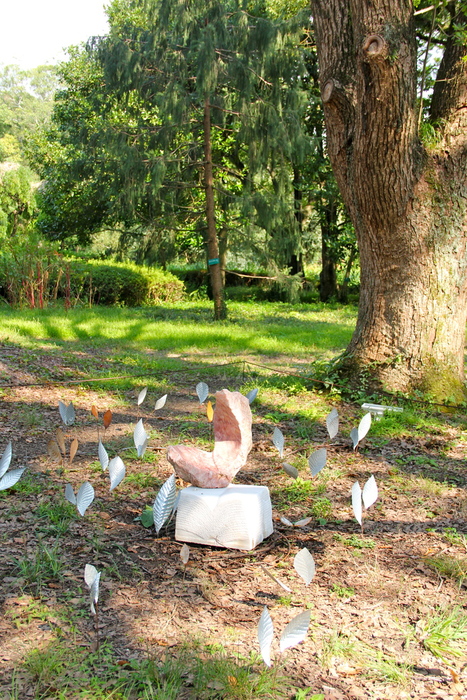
(252,328)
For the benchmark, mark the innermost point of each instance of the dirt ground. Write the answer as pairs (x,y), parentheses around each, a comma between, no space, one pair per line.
(371,599)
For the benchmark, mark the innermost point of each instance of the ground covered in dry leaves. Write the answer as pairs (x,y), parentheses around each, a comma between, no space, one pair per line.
(376,596)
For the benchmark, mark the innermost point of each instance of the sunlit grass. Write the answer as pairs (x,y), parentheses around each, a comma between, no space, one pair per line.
(252,328)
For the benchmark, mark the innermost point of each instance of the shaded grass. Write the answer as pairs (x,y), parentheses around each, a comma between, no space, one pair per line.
(61,671)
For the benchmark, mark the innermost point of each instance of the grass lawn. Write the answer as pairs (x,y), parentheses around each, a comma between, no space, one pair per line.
(252,329)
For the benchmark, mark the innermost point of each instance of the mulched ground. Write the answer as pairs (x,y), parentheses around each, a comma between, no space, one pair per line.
(374,600)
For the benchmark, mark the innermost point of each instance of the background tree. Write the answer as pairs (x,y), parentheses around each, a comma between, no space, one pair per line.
(205,68)
(26,100)
(407,202)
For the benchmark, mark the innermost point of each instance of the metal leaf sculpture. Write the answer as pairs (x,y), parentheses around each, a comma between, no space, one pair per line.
(265,635)
(164,503)
(91,578)
(354,437)
(142,395)
(251,396)
(357,502)
(317,460)
(6,459)
(278,441)
(357,434)
(94,411)
(116,472)
(304,565)
(202,390)
(103,456)
(160,403)
(83,498)
(59,436)
(70,494)
(296,631)
(209,412)
(297,523)
(53,451)
(368,495)
(185,554)
(290,470)
(73,449)
(67,413)
(332,423)
(140,438)
(10,478)
(370,492)
(107,418)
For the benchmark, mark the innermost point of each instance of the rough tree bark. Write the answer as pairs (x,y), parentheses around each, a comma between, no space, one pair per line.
(408,205)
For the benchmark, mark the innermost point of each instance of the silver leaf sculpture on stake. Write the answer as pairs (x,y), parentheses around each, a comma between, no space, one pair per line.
(332,423)
(116,472)
(142,395)
(140,438)
(304,565)
(6,458)
(265,636)
(202,390)
(164,503)
(67,413)
(103,456)
(370,492)
(83,498)
(185,554)
(92,577)
(368,495)
(317,461)
(296,631)
(297,523)
(357,502)
(278,441)
(8,478)
(160,403)
(357,434)
(251,396)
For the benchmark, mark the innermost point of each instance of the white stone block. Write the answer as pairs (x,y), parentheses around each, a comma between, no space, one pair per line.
(238,516)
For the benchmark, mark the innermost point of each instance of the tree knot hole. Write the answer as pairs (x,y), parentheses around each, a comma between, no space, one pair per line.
(374,45)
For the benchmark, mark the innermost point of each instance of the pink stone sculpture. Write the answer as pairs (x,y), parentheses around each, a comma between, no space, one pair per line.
(232,443)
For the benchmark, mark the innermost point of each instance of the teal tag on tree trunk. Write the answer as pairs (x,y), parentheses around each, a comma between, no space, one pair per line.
(213,261)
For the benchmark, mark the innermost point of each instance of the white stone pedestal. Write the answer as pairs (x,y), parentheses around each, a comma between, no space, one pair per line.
(237,516)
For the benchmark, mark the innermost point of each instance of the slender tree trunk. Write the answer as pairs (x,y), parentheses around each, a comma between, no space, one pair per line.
(408,206)
(329,232)
(343,293)
(212,245)
(296,259)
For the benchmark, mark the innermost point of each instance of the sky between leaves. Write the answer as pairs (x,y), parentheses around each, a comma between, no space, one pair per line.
(35,33)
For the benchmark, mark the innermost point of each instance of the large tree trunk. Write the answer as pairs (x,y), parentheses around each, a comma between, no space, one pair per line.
(408,206)
(212,245)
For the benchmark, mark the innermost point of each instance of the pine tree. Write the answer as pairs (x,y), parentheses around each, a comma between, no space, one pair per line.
(202,67)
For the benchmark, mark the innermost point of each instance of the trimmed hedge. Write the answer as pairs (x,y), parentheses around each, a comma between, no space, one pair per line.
(119,284)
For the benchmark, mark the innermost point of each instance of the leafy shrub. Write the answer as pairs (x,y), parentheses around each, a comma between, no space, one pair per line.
(119,284)
(28,263)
